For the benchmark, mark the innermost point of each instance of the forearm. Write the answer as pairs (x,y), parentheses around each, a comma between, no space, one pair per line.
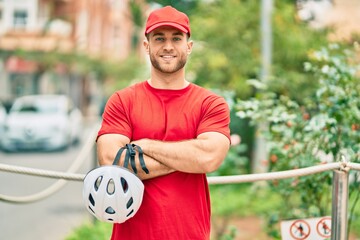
(186,156)
(201,155)
(156,169)
(109,145)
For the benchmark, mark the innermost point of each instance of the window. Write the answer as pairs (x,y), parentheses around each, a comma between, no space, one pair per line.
(20,19)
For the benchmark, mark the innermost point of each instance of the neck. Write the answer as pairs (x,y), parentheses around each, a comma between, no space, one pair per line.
(168,81)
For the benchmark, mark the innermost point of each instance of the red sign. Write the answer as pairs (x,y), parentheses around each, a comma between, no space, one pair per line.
(323,227)
(19,65)
(300,230)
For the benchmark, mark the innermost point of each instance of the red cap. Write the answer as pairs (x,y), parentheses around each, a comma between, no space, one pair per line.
(167,16)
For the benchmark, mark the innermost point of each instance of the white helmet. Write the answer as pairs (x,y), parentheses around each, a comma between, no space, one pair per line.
(112,193)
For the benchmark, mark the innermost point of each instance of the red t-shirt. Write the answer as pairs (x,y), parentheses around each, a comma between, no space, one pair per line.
(175,206)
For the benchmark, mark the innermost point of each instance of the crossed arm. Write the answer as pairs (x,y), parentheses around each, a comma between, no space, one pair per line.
(201,155)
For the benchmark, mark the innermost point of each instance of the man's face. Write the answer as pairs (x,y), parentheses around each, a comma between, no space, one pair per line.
(168,49)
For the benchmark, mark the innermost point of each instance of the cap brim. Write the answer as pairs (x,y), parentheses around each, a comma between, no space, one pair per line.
(170,24)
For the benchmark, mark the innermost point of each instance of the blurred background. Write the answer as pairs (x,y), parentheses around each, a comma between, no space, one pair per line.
(61,59)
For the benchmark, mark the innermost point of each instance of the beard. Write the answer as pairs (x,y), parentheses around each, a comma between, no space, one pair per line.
(167,68)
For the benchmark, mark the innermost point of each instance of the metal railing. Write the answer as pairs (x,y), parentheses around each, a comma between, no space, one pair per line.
(340,183)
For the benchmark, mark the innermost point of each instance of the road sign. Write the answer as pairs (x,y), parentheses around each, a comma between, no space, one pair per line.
(323,227)
(306,229)
(300,229)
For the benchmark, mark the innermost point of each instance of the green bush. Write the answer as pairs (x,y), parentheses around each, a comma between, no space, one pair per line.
(92,231)
(324,127)
(233,201)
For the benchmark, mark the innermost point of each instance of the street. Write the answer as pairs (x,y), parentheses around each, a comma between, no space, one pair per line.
(52,218)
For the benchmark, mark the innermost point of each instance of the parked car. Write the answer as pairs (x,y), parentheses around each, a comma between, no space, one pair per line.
(2,119)
(44,122)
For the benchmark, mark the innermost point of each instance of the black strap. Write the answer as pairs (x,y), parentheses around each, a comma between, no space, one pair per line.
(130,154)
(126,159)
(141,158)
(118,155)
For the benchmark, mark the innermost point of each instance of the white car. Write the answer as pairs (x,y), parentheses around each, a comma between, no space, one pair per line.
(43,122)
(2,119)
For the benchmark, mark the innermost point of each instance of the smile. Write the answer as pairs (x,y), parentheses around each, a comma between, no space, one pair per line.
(167,57)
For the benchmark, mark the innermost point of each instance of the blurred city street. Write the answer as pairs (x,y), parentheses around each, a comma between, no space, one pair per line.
(54,217)
(282,66)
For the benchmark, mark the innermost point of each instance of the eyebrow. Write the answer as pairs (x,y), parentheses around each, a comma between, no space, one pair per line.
(174,34)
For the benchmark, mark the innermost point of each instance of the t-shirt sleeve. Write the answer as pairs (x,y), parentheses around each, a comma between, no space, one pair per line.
(115,117)
(216,116)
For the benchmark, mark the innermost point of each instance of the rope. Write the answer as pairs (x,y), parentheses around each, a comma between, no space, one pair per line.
(355,166)
(275,175)
(42,173)
(212,180)
(69,175)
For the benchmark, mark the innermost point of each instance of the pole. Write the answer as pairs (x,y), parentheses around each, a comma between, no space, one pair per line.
(339,215)
(266,38)
(260,153)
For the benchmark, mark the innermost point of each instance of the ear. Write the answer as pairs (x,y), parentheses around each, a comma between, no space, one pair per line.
(189,47)
(146,46)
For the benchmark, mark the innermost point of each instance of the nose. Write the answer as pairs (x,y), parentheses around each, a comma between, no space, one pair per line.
(168,45)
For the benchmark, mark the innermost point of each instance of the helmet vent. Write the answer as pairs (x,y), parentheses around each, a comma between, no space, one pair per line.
(124,185)
(91,199)
(98,182)
(110,210)
(130,213)
(129,203)
(92,210)
(110,187)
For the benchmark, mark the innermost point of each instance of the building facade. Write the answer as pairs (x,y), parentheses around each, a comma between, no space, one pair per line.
(96,28)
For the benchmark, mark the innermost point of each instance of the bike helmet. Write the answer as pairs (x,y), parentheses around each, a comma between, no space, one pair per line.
(112,193)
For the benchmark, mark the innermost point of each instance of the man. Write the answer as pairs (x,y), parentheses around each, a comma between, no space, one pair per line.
(183,130)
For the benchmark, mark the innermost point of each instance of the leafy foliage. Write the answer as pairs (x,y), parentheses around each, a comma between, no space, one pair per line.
(92,231)
(227,47)
(321,129)
(242,200)
(187,6)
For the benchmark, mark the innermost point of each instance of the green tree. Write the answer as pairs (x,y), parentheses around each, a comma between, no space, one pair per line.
(187,6)
(227,47)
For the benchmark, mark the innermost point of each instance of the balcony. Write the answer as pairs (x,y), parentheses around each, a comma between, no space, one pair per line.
(36,42)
